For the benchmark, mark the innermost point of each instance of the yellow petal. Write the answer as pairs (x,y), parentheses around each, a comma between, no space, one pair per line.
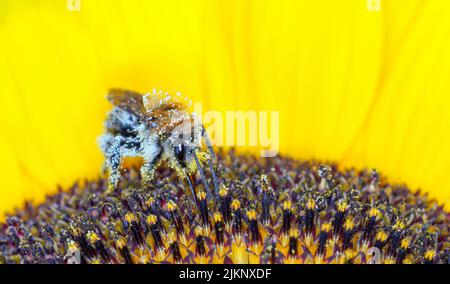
(361,87)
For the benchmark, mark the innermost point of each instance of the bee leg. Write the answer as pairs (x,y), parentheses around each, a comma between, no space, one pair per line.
(113,159)
(147,172)
(110,148)
(121,146)
(152,157)
(202,174)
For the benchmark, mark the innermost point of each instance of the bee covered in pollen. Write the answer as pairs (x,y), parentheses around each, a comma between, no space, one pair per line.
(157,128)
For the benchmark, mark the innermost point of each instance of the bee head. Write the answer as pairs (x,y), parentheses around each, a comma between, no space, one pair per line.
(184,141)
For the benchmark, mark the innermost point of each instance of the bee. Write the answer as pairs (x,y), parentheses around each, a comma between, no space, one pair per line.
(158,128)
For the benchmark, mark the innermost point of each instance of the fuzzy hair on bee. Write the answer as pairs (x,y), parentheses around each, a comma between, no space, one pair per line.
(157,128)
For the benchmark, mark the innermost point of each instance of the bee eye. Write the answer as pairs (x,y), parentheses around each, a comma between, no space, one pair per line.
(180,151)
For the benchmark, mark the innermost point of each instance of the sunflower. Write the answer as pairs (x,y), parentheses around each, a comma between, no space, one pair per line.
(361,83)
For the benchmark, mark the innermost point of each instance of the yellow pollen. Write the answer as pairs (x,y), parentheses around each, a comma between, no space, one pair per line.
(235,204)
(293,233)
(121,243)
(171,206)
(264,183)
(287,205)
(201,195)
(75,230)
(199,231)
(151,219)
(310,204)
(150,201)
(381,236)
(348,224)
(217,217)
(92,237)
(342,207)
(349,254)
(223,191)
(433,230)
(399,225)
(374,212)
(326,227)
(72,246)
(129,217)
(408,260)
(405,243)
(171,236)
(429,254)
(251,214)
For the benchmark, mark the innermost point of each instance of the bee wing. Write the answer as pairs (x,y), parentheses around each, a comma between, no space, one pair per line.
(127,100)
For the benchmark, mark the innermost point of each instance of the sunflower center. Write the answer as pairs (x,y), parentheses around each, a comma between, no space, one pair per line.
(266,210)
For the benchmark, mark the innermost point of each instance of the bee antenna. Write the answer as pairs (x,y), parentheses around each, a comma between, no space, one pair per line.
(208,143)
(202,174)
(212,157)
(188,178)
(214,178)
